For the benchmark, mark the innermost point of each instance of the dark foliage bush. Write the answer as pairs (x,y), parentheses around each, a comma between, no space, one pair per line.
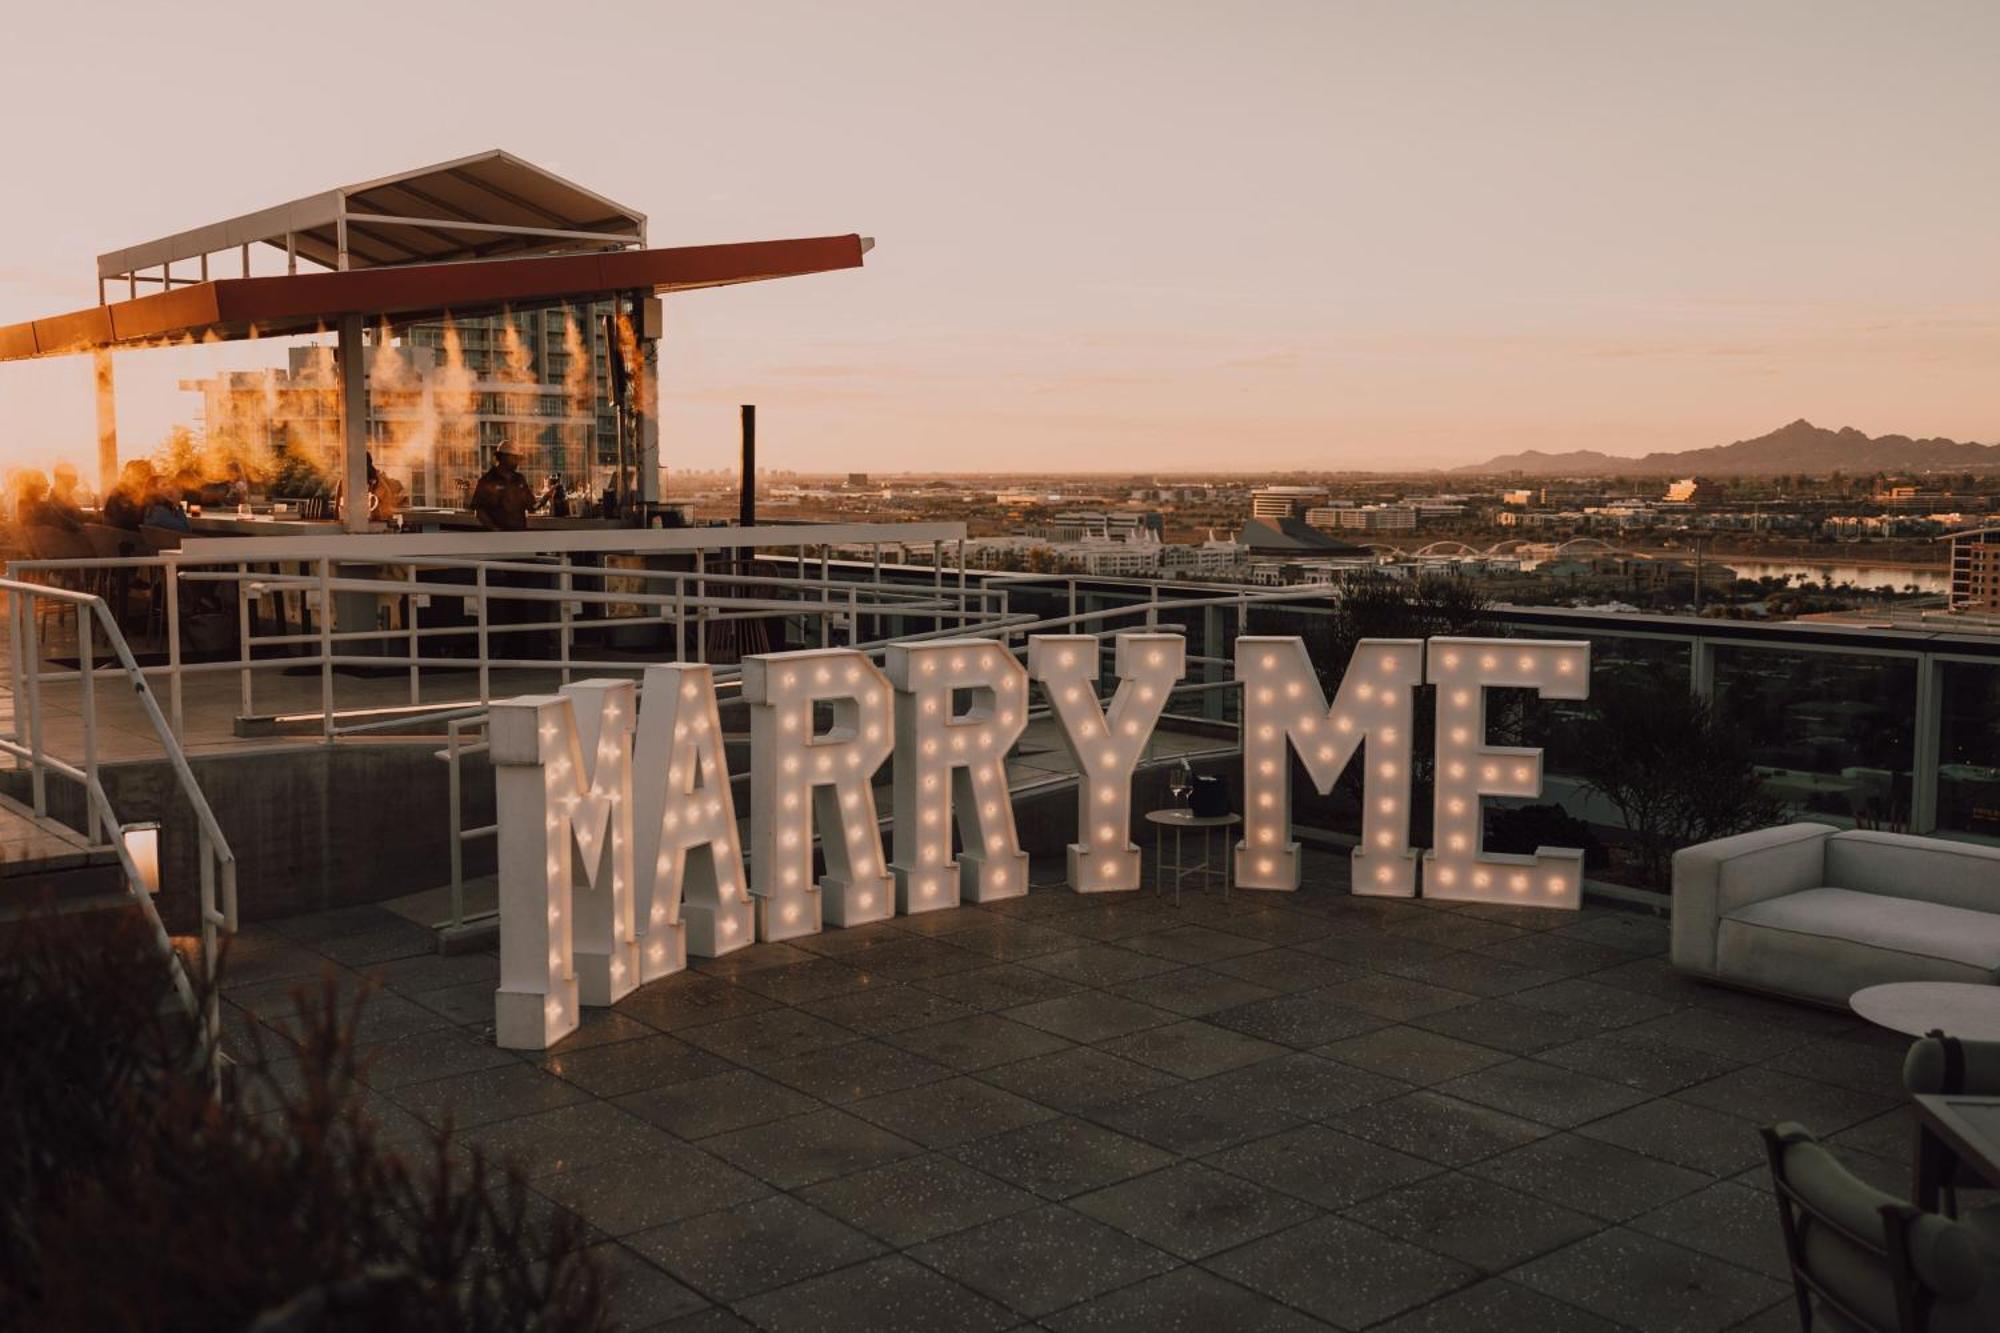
(1520,830)
(134,1199)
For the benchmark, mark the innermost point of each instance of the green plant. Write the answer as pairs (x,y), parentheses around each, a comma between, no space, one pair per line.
(1677,773)
(133,1198)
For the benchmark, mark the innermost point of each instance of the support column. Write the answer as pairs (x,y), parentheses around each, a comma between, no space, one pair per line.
(650,315)
(1926,744)
(353,424)
(107,424)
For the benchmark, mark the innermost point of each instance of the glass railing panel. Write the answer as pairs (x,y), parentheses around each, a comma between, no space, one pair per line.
(1968,797)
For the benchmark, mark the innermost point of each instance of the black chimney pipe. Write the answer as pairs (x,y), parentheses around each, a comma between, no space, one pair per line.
(746,506)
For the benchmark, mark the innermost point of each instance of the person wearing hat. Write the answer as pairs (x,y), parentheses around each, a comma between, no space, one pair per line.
(502,498)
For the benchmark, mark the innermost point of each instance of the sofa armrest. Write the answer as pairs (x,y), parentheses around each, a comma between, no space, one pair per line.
(1713,879)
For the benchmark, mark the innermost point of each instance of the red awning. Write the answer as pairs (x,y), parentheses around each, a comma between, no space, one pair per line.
(227,308)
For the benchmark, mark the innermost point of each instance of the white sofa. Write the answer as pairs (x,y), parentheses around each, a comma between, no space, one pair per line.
(1810,911)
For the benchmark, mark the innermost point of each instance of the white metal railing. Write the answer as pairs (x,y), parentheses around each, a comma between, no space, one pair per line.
(216,863)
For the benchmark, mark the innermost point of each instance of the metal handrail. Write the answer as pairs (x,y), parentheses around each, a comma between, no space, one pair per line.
(216,860)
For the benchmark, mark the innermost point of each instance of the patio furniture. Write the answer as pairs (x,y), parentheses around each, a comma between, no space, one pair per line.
(1864,1261)
(1961,1010)
(1945,1065)
(1211,866)
(1808,911)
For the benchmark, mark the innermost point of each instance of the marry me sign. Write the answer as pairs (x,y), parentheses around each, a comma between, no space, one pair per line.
(619,845)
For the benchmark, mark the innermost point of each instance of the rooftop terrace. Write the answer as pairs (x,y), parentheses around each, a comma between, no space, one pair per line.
(1103,1112)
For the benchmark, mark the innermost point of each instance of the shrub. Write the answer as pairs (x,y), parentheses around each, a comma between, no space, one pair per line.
(132,1198)
(1520,830)
(1678,774)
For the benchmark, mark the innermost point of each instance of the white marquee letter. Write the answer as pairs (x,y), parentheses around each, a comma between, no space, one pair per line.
(798,778)
(692,899)
(1106,744)
(554,785)
(1284,707)
(948,766)
(1468,768)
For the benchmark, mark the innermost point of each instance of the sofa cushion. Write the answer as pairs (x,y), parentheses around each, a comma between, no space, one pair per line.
(1827,943)
(1953,874)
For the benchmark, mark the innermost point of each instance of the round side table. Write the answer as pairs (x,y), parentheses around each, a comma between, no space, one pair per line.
(1963,1009)
(1210,867)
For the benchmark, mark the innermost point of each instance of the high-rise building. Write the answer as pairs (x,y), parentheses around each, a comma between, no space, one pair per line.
(1975,570)
(1285,501)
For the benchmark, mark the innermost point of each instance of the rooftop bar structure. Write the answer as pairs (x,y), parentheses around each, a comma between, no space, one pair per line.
(464,238)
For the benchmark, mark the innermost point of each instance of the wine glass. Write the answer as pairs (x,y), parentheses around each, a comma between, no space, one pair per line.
(1181,784)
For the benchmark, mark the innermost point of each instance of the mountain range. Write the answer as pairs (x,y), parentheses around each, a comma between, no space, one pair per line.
(1799,447)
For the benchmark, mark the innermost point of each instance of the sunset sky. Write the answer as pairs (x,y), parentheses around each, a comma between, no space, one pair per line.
(1166,235)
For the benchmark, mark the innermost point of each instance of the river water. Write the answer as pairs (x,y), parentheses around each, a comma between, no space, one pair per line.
(1928,578)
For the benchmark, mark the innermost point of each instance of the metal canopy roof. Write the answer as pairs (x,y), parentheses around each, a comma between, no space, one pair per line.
(303,303)
(477,207)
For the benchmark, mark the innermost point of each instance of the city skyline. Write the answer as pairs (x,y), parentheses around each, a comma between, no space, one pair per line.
(1159,237)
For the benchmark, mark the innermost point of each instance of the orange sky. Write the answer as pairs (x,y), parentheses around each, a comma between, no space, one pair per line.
(1145,235)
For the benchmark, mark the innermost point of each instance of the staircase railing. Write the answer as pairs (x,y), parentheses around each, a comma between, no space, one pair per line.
(23,739)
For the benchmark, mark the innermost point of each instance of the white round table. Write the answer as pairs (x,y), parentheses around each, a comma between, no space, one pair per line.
(1965,1010)
(1210,866)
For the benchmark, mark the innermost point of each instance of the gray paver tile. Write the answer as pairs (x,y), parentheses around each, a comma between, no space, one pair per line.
(500,1093)
(1077,1079)
(1187,1300)
(1690,1136)
(630,1066)
(1322,1165)
(1542,1092)
(1497,1304)
(1340,1272)
(734,1099)
(1649,1284)
(918,1199)
(1192,1210)
(1598,1178)
(1040,1261)
(1192,1048)
(665,1183)
(958,1110)
(978,1042)
(1473,1220)
(886,1295)
(1061,1158)
(1411,1054)
(1441,1129)
(1090,1016)
(753,1247)
(808,1148)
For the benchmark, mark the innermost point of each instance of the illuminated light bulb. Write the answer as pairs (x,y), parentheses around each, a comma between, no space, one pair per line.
(958,662)
(729,924)
(1131,728)
(1523,773)
(930,705)
(1267,835)
(1388,735)
(873,733)
(1455,805)
(822,675)
(1072,694)
(1518,884)
(1565,667)
(1451,659)
(1458,842)
(690,691)
(1267,731)
(853,760)
(848,800)
(791,876)
(1308,725)
(1456,770)
(1155,657)
(788,680)
(1267,661)
(1264,865)
(1364,690)
(1556,885)
(1326,753)
(1461,698)
(1386,770)
(1264,696)
(930,784)
(985,741)
(1107,796)
(1265,800)
(1460,735)
(1067,659)
(1526,663)
(930,890)
(1447,876)
(930,667)
(1106,833)
(1491,773)
(1386,805)
(1388,664)
(789,840)
(1481,880)
(1293,689)
(866,901)
(789,722)
(930,747)
(825,762)
(1384,875)
(1488,661)
(791,764)
(1343,723)
(995,843)
(991,808)
(958,743)
(1385,839)
(999,879)
(791,912)
(853,674)
(791,801)
(1145,694)
(930,818)
(1006,719)
(1267,768)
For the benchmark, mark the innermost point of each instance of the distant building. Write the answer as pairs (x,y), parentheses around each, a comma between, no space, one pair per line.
(1377,518)
(1285,501)
(1681,492)
(1294,538)
(1522,497)
(857,481)
(1975,570)
(1095,525)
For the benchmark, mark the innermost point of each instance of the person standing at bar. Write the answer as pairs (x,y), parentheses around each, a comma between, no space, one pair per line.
(502,499)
